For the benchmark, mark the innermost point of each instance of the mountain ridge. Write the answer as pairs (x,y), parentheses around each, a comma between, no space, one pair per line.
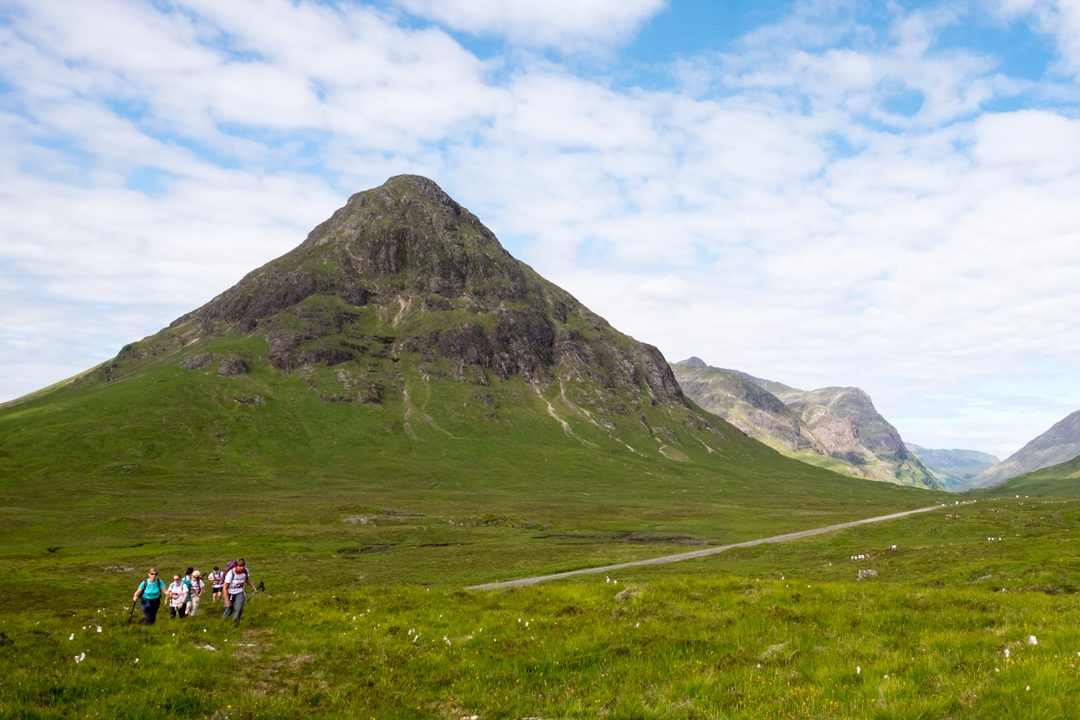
(1059,444)
(837,427)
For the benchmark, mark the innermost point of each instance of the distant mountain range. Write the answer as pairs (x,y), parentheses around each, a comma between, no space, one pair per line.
(954,468)
(1059,444)
(834,427)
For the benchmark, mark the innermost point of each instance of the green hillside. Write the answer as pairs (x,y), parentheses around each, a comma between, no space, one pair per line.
(1063,480)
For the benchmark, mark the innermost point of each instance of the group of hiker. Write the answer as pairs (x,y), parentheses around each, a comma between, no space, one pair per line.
(185,592)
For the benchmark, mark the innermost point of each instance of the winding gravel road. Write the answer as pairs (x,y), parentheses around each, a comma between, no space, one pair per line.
(697,553)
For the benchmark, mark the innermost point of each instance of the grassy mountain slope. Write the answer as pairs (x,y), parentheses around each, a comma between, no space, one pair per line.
(1059,444)
(1061,479)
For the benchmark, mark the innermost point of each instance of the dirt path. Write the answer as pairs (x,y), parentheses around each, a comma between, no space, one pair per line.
(696,553)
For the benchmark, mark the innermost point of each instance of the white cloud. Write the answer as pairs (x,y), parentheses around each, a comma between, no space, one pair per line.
(564,24)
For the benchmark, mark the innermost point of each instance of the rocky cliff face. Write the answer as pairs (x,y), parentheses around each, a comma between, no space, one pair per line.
(830,426)
(1059,444)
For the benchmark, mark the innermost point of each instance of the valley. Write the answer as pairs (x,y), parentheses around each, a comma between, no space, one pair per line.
(398,413)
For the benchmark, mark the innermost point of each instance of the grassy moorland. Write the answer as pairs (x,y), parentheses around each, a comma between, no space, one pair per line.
(367,523)
(943,630)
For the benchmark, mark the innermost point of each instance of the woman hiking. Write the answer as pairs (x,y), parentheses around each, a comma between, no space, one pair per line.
(235,580)
(150,591)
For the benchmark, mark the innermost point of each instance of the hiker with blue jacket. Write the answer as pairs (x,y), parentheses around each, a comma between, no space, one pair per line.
(150,591)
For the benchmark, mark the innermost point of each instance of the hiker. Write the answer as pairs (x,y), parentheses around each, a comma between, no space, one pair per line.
(196,593)
(217,580)
(178,596)
(150,591)
(235,580)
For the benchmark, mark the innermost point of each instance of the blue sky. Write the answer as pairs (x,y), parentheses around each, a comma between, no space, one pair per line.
(877,194)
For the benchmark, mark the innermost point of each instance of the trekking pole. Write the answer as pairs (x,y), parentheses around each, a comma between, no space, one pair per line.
(132,613)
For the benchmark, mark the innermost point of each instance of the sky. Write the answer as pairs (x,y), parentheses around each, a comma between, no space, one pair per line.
(821,192)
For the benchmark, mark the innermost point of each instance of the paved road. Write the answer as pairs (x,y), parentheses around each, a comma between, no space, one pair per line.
(696,553)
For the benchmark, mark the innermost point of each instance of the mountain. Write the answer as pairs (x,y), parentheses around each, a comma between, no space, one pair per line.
(398,357)
(954,468)
(835,427)
(1061,479)
(1059,444)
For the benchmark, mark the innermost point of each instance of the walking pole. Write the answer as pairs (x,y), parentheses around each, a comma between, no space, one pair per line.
(130,614)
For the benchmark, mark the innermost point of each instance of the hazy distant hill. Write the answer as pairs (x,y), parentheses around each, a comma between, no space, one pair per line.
(1059,444)
(954,468)
(836,427)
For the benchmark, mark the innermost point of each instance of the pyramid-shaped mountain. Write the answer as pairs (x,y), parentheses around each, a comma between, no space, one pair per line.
(398,358)
(405,270)
(400,316)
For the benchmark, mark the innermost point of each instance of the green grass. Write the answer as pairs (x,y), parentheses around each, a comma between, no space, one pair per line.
(775,631)
(366,521)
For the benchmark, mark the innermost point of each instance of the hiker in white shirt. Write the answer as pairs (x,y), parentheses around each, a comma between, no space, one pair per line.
(178,596)
(235,580)
(217,581)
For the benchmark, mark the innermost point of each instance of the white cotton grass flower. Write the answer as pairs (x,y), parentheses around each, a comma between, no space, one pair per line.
(858,670)
(72,637)
(79,658)
(1032,640)
(99,628)
(136,661)
(1007,653)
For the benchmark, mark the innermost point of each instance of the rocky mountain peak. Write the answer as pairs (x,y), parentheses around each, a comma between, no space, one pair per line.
(402,270)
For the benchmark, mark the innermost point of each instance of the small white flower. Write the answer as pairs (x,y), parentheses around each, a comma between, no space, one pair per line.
(1007,653)
(1028,688)
(73,637)
(79,658)
(99,628)
(136,661)
(1032,640)
(858,670)
(446,639)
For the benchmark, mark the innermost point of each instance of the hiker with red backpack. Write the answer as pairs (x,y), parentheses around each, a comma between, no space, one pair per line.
(235,598)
